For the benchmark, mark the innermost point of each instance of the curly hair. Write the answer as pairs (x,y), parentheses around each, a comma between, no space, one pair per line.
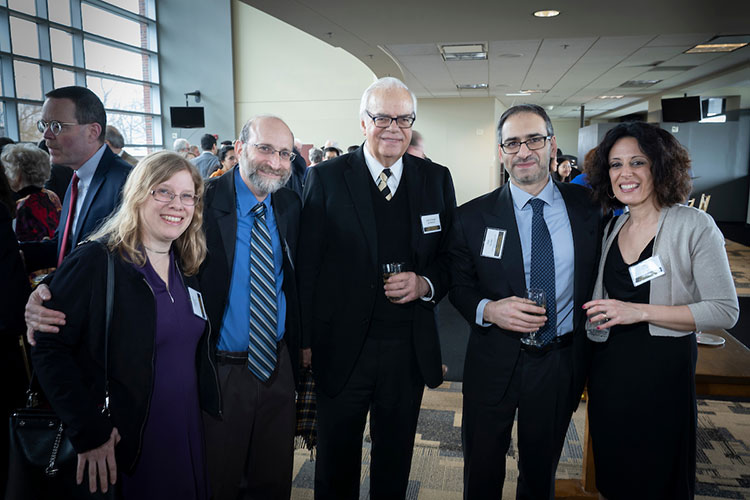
(122,230)
(670,164)
(27,162)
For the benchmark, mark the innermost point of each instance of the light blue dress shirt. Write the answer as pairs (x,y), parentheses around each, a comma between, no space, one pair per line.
(558,223)
(235,327)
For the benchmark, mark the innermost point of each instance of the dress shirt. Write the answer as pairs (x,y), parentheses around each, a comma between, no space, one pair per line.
(236,322)
(397,170)
(558,223)
(85,173)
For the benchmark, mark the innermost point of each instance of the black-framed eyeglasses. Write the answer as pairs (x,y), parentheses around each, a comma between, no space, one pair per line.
(267,150)
(165,196)
(533,144)
(54,126)
(383,121)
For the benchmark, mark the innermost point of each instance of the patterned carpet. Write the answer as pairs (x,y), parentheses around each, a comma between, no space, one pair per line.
(739,262)
(723,458)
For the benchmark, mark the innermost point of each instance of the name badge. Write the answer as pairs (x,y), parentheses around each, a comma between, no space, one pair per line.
(492,245)
(645,271)
(431,223)
(196,300)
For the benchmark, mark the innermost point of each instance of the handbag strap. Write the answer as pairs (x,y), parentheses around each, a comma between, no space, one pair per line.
(108,320)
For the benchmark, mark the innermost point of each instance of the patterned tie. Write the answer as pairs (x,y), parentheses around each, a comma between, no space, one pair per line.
(383,184)
(69,221)
(261,353)
(543,268)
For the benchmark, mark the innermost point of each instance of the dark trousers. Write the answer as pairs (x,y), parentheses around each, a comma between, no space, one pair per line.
(250,450)
(540,388)
(387,382)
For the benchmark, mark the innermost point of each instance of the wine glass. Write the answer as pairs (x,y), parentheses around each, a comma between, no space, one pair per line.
(537,296)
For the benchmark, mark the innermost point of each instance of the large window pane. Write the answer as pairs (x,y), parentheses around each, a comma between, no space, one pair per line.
(23,37)
(59,11)
(3,129)
(110,25)
(119,95)
(116,61)
(28,80)
(28,115)
(27,6)
(62,46)
(63,78)
(136,129)
(135,6)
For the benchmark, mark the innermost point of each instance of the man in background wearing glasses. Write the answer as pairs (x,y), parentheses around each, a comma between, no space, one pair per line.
(249,288)
(530,233)
(373,346)
(74,125)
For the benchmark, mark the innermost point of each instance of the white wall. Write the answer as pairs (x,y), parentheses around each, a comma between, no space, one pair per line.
(566,132)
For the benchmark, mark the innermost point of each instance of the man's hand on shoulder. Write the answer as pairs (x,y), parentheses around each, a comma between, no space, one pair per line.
(38,317)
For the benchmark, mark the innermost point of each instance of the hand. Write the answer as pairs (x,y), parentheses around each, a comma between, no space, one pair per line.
(306,357)
(39,317)
(515,314)
(614,312)
(100,460)
(404,287)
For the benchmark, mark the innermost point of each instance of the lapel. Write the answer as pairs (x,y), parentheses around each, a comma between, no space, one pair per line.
(280,212)
(224,204)
(415,188)
(357,176)
(503,216)
(100,175)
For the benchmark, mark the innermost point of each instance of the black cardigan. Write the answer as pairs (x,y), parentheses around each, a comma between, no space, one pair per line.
(70,366)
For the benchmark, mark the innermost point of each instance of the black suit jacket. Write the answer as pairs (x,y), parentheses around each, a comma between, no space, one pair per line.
(492,352)
(102,198)
(338,271)
(215,275)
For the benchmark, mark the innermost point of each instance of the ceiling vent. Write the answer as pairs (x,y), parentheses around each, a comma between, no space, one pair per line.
(639,84)
(465,52)
(471,86)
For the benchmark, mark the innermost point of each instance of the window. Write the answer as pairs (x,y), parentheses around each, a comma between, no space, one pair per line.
(108,45)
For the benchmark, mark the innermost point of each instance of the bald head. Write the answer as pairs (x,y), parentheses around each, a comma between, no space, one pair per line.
(263,144)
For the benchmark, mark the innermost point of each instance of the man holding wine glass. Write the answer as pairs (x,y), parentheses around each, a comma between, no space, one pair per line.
(529,244)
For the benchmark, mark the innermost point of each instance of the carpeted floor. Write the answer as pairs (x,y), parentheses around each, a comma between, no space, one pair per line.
(723,457)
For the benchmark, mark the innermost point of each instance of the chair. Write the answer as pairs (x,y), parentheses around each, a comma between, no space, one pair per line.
(691,202)
(705,198)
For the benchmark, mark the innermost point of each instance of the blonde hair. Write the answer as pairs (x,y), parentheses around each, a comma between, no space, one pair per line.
(122,230)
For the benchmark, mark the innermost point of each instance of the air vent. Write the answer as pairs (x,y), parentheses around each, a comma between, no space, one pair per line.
(639,84)
(466,52)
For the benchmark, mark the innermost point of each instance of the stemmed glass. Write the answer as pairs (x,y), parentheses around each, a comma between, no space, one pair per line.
(537,296)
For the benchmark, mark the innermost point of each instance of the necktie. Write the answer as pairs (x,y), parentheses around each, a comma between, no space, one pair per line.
(261,353)
(69,221)
(383,184)
(543,268)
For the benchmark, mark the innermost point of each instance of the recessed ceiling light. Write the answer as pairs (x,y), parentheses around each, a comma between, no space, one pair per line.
(705,48)
(465,52)
(535,91)
(516,94)
(639,83)
(471,86)
(610,97)
(547,13)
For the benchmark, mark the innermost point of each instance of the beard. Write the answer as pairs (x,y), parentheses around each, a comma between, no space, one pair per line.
(264,184)
(529,177)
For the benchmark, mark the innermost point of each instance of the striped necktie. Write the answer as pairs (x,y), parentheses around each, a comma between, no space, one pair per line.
(261,353)
(383,184)
(543,268)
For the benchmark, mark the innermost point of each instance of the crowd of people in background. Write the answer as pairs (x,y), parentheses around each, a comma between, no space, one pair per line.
(242,265)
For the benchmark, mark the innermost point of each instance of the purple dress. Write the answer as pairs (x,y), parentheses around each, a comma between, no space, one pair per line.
(172,459)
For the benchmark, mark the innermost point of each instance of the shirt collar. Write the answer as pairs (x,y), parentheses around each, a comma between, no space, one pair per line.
(86,171)
(375,167)
(246,200)
(521,197)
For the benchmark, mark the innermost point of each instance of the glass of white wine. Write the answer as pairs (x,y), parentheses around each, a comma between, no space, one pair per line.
(537,296)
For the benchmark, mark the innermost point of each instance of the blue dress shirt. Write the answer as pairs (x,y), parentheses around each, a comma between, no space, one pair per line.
(558,223)
(234,334)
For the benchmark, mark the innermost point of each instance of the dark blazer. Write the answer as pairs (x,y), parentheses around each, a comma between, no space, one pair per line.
(492,353)
(220,225)
(102,198)
(338,271)
(70,364)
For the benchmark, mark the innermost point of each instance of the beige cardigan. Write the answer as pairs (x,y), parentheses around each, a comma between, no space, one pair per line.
(692,252)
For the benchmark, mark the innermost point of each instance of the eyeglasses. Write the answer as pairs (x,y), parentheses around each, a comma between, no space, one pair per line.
(267,150)
(54,126)
(533,144)
(165,196)
(383,121)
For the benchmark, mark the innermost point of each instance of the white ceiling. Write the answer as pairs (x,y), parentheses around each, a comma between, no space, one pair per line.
(590,50)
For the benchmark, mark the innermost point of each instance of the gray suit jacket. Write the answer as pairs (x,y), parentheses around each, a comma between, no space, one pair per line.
(206,163)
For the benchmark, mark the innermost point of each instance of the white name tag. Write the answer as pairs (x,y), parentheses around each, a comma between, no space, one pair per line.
(196,300)
(645,271)
(431,223)
(492,245)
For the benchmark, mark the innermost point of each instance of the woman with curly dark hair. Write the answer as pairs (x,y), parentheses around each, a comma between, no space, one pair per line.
(663,274)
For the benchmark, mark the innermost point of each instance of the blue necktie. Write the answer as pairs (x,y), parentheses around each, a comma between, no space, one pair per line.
(543,268)
(261,353)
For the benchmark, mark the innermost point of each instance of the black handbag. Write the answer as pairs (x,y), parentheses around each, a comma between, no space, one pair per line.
(42,461)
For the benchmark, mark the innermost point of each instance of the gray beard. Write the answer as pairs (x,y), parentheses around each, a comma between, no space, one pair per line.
(268,186)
